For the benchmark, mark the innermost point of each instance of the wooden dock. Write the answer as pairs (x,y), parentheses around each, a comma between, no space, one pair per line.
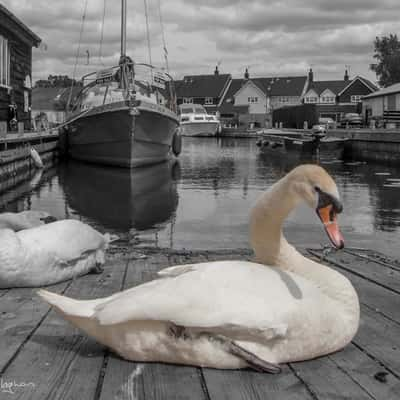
(43,357)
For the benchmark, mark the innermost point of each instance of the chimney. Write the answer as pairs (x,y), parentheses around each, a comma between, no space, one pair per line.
(310,76)
(346,75)
(216,72)
(246,74)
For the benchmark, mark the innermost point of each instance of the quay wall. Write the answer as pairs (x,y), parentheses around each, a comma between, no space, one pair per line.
(17,165)
(371,144)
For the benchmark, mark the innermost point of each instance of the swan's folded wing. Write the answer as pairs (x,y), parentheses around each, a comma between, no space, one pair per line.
(225,298)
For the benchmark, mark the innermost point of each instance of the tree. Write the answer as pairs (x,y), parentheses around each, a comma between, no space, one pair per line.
(387,54)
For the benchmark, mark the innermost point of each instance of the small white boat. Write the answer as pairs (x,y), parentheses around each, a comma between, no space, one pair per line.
(194,121)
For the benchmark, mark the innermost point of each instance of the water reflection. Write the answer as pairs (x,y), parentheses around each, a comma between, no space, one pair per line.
(119,198)
(217,181)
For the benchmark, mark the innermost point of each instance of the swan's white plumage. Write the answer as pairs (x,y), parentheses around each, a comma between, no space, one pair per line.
(23,220)
(49,253)
(292,309)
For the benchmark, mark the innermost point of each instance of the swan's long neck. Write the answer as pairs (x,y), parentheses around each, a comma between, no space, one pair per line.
(271,248)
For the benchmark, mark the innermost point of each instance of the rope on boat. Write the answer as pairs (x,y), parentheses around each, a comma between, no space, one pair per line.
(102,34)
(78,51)
(163,37)
(148,37)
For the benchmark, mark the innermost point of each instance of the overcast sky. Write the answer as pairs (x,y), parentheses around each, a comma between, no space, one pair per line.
(270,37)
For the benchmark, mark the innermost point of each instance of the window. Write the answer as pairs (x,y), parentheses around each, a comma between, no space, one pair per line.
(4,62)
(355,98)
(284,99)
(252,99)
(188,100)
(209,100)
(327,99)
(311,99)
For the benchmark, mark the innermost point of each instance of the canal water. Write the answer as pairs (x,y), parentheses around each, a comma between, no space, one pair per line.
(203,200)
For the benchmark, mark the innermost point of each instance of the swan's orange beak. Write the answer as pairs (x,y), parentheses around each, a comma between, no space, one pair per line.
(327,215)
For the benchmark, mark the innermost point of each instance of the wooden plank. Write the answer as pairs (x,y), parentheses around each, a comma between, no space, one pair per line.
(129,380)
(61,362)
(363,370)
(380,338)
(365,268)
(326,381)
(376,297)
(21,314)
(245,384)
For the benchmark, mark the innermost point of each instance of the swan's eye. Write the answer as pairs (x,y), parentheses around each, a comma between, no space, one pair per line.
(317,189)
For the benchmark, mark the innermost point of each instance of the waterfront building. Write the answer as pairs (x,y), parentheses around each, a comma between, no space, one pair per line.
(207,90)
(16,42)
(250,101)
(383,105)
(334,98)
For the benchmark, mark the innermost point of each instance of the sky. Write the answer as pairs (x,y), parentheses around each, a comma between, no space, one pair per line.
(269,37)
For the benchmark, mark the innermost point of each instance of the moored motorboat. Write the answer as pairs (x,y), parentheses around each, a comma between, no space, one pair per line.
(194,121)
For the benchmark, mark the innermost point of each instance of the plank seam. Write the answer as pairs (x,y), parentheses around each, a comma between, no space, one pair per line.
(106,356)
(351,378)
(203,383)
(362,256)
(342,266)
(372,357)
(380,313)
(306,385)
(18,350)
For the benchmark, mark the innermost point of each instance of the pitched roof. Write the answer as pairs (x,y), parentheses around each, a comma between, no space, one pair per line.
(35,40)
(334,86)
(202,85)
(337,87)
(385,91)
(281,85)
(227,104)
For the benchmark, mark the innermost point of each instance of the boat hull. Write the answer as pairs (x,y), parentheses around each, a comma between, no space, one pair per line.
(117,134)
(199,128)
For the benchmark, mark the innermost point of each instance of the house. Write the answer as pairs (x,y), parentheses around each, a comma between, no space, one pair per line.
(251,101)
(16,42)
(49,105)
(335,98)
(207,90)
(383,105)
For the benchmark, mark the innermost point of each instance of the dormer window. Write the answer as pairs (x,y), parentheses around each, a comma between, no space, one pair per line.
(188,100)
(311,99)
(327,99)
(209,101)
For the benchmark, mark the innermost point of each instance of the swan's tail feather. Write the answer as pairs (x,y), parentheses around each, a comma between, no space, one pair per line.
(67,306)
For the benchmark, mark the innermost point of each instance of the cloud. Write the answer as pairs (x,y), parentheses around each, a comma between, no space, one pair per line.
(271,37)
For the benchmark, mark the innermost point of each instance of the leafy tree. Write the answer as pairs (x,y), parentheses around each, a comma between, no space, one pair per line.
(387,54)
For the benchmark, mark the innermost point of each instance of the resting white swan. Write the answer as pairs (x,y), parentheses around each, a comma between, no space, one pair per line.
(50,253)
(24,219)
(233,314)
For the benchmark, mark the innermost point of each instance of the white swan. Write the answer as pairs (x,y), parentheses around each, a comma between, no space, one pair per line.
(50,253)
(233,314)
(24,219)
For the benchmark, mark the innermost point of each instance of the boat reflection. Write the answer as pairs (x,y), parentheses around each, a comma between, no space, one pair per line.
(124,199)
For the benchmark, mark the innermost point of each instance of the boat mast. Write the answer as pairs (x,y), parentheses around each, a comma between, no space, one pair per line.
(123,29)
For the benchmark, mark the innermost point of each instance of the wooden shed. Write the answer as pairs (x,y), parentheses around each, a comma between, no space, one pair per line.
(16,42)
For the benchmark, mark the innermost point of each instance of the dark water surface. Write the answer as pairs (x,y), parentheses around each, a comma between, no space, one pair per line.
(203,202)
